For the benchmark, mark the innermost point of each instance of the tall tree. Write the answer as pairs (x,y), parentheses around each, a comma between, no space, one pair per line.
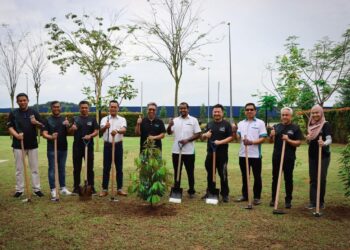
(90,44)
(12,59)
(267,103)
(344,92)
(37,63)
(324,69)
(172,36)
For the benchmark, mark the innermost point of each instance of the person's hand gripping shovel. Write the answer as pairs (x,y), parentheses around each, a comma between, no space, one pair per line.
(176,191)
(26,178)
(275,208)
(213,193)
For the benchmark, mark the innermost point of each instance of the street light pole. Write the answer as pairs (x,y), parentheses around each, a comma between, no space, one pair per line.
(218,92)
(141,97)
(229,46)
(27,82)
(208,95)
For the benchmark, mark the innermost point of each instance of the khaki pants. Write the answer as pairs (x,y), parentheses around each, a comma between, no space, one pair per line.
(33,165)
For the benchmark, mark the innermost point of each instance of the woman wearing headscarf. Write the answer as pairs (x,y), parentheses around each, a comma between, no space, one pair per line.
(318,126)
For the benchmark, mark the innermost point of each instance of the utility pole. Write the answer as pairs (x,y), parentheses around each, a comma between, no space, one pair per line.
(141,97)
(229,46)
(208,96)
(218,92)
(27,82)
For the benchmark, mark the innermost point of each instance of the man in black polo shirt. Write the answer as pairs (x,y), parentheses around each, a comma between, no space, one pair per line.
(56,127)
(85,129)
(219,134)
(291,133)
(22,125)
(150,127)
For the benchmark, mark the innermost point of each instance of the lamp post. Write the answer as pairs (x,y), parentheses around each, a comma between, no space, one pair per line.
(208,96)
(141,97)
(27,82)
(229,46)
(218,92)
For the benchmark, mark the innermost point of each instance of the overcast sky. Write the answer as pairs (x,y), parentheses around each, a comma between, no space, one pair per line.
(259,29)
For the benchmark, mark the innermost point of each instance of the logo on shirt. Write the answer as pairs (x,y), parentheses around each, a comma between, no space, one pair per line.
(290,132)
(222,129)
(89,123)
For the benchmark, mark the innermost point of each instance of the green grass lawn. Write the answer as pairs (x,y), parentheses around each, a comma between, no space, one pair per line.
(132,224)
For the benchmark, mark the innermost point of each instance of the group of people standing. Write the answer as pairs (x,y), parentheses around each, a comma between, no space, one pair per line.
(251,132)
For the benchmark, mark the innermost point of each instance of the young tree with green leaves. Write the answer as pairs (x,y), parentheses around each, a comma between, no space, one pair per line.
(162,113)
(202,113)
(267,103)
(172,37)
(344,170)
(90,44)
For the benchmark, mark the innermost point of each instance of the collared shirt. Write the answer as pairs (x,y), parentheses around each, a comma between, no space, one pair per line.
(117,123)
(151,127)
(220,131)
(184,128)
(294,133)
(254,130)
(54,124)
(86,125)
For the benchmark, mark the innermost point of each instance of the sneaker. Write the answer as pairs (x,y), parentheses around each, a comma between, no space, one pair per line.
(241,198)
(272,203)
(17,194)
(76,191)
(311,206)
(225,198)
(256,202)
(65,191)
(39,193)
(288,205)
(103,193)
(53,193)
(121,192)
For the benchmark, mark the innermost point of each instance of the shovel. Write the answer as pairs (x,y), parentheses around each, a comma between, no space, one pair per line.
(275,209)
(317,213)
(176,191)
(86,190)
(113,198)
(249,206)
(56,172)
(213,195)
(29,195)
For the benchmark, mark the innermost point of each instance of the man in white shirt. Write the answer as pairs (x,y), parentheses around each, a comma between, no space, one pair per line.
(254,130)
(185,129)
(113,125)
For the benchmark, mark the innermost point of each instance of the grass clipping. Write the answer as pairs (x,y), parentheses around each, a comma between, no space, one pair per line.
(152,179)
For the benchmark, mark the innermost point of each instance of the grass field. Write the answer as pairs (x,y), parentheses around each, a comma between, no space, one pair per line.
(131,224)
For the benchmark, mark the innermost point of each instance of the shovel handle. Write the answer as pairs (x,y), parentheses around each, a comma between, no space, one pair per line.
(56,169)
(113,166)
(280,175)
(247,172)
(86,162)
(319,166)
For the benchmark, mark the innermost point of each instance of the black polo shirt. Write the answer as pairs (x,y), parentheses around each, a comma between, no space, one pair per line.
(20,121)
(86,125)
(220,130)
(294,133)
(54,124)
(313,146)
(154,127)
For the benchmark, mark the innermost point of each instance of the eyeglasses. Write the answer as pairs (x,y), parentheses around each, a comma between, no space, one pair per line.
(249,110)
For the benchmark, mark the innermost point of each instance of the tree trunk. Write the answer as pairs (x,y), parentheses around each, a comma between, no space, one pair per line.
(37,109)
(98,96)
(177,82)
(12,101)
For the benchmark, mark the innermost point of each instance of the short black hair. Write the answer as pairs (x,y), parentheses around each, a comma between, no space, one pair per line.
(114,101)
(53,103)
(152,104)
(184,103)
(250,104)
(219,106)
(84,102)
(22,94)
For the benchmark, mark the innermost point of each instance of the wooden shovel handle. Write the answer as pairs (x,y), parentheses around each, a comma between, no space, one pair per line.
(280,175)
(26,178)
(247,172)
(319,166)
(56,169)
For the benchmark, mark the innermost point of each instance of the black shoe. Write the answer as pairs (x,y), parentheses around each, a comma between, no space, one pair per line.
(76,191)
(39,193)
(204,196)
(191,196)
(272,203)
(241,198)
(288,205)
(225,198)
(322,206)
(17,194)
(256,202)
(311,206)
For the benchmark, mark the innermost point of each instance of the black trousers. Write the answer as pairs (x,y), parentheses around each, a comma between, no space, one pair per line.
(188,161)
(107,162)
(78,155)
(255,164)
(221,167)
(313,167)
(288,167)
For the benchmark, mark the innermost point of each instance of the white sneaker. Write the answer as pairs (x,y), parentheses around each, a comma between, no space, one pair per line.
(65,191)
(53,193)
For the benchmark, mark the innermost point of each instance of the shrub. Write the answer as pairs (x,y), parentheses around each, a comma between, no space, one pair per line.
(344,169)
(152,179)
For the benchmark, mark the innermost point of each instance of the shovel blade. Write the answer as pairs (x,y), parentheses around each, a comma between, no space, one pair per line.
(85,192)
(278,211)
(317,214)
(113,199)
(213,197)
(175,195)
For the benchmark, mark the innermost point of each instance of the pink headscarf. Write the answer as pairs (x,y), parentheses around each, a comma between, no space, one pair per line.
(315,127)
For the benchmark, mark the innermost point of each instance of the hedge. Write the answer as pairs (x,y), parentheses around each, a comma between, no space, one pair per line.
(339,119)
(131,118)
